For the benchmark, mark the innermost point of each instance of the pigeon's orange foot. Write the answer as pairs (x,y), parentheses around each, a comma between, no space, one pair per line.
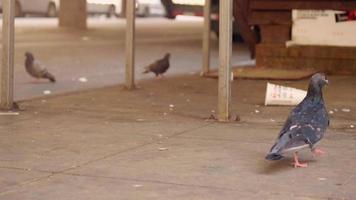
(298,164)
(318,152)
(159,76)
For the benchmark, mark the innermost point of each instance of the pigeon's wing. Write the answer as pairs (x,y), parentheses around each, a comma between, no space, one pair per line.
(318,123)
(38,67)
(304,127)
(162,65)
(291,122)
(35,69)
(153,67)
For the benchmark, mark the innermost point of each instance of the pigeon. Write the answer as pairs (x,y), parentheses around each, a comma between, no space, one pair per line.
(305,126)
(35,69)
(159,67)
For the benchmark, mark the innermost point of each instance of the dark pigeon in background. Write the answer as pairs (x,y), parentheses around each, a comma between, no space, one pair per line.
(159,67)
(306,124)
(35,69)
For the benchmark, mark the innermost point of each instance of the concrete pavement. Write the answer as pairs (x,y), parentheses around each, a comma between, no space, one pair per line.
(155,143)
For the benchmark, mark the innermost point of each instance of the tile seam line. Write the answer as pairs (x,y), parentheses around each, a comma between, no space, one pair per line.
(64,172)
(149,181)
(14,188)
(130,149)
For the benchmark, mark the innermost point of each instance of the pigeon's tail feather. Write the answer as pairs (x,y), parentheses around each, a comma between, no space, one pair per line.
(274,156)
(50,77)
(275,152)
(147,69)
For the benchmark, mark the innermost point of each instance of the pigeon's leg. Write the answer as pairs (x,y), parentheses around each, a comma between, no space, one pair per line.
(297,163)
(318,152)
(159,76)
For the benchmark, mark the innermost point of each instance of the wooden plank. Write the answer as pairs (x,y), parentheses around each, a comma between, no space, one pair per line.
(206,38)
(330,66)
(301,4)
(225,49)
(321,58)
(270,18)
(7,67)
(307,51)
(130,44)
(275,33)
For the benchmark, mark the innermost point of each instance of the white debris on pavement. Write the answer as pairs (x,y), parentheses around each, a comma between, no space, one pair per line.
(137,186)
(322,179)
(83,79)
(85,38)
(162,149)
(140,120)
(9,113)
(352,126)
(257,111)
(171,106)
(346,110)
(47,92)
(331,112)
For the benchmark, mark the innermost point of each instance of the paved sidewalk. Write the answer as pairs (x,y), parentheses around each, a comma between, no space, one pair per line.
(154,143)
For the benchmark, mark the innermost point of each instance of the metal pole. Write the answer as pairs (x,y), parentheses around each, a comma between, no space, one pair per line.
(206,38)
(7,67)
(225,49)
(130,44)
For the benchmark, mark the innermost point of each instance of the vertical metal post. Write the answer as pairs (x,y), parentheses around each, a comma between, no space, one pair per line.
(225,49)
(130,44)
(7,67)
(206,38)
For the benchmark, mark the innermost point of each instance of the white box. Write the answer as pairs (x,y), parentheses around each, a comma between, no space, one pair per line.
(323,27)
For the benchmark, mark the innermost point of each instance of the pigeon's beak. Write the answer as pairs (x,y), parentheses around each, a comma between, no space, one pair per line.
(326,82)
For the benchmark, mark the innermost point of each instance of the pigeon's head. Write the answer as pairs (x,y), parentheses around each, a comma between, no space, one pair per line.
(29,55)
(167,55)
(319,80)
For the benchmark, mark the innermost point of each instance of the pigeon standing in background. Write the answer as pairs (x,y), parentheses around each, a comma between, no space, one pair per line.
(305,126)
(159,67)
(35,69)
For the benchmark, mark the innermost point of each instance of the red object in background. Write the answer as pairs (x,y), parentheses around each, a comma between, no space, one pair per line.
(351,15)
(346,16)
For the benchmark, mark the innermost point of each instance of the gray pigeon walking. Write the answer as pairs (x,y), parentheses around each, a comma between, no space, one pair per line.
(305,126)
(35,69)
(159,67)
